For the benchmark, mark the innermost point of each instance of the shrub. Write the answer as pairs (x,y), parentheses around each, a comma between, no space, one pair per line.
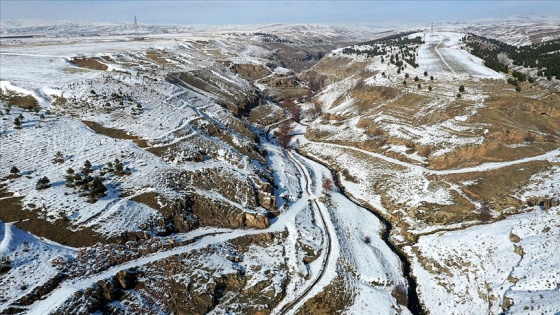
(17,123)
(43,183)
(518,89)
(14,170)
(5,264)
(461,88)
(283,134)
(458,95)
(328,185)
(58,157)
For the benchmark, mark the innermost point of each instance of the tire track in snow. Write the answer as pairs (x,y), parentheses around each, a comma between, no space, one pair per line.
(473,169)
(303,296)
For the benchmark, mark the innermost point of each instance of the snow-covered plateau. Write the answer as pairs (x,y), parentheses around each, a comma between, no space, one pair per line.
(275,169)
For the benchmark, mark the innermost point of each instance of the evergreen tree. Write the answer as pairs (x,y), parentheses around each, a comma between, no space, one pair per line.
(461,89)
(43,183)
(58,157)
(97,187)
(17,123)
(14,170)
(87,167)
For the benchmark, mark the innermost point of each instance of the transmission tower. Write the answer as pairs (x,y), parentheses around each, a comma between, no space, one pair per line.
(135,27)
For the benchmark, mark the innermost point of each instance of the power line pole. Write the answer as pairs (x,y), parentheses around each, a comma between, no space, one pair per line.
(135,27)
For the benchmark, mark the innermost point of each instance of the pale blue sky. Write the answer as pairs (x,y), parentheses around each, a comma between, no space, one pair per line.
(251,12)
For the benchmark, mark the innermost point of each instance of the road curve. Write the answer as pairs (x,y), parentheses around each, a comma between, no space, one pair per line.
(291,306)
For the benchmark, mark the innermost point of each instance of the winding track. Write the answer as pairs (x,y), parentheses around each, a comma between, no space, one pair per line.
(292,305)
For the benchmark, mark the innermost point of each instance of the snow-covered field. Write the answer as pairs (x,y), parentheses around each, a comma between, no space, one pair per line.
(442,54)
(179,139)
(511,265)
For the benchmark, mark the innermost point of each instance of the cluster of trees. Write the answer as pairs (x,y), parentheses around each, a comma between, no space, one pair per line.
(90,186)
(379,49)
(545,57)
(372,52)
(271,38)
(283,134)
(400,40)
(293,109)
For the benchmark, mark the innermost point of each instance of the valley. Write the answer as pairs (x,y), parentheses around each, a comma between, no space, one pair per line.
(275,169)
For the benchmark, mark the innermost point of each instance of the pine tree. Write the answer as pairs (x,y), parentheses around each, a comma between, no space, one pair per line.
(17,123)
(43,183)
(97,187)
(87,167)
(14,170)
(118,167)
(58,157)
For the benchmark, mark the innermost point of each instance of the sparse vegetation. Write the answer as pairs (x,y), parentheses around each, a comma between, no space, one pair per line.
(283,133)
(327,185)
(17,123)
(14,170)
(58,157)
(43,183)
(5,264)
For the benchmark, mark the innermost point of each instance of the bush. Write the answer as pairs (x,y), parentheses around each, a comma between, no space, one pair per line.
(458,95)
(461,88)
(97,188)
(430,88)
(518,89)
(283,133)
(5,264)
(58,157)
(328,185)
(425,73)
(17,123)
(14,170)
(43,183)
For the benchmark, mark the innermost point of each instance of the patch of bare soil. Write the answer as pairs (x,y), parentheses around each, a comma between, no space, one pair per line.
(496,186)
(115,133)
(332,300)
(11,210)
(89,63)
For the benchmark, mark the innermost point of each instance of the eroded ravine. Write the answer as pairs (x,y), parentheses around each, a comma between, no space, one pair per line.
(414,305)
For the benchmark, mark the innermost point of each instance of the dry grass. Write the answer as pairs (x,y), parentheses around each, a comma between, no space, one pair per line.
(497,184)
(26,102)
(89,63)
(58,231)
(115,133)
(156,56)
